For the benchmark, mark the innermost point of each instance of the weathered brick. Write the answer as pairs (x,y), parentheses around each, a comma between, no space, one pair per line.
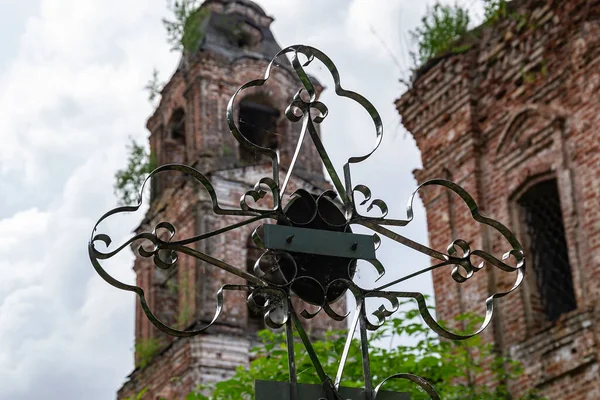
(520,103)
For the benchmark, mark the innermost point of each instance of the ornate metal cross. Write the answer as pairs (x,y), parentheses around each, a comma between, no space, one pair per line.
(310,249)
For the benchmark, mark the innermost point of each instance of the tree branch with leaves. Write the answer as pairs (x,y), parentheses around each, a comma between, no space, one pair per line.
(129,180)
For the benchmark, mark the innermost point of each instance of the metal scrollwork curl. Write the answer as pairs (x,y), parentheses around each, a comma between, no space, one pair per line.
(278,275)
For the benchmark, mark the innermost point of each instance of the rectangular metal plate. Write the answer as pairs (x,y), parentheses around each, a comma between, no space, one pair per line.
(315,241)
(271,390)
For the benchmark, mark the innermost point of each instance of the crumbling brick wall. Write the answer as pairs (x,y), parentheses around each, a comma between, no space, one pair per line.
(519,102)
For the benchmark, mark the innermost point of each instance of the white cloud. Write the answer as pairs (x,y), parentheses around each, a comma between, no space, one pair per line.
(75,85)
(70,97)
(58,320)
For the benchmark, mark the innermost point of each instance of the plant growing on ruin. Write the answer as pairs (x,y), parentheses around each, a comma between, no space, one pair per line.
(146,350)
(129,179)
(138,396)
(493,10)
(441,27)
(175,27)
(154,86)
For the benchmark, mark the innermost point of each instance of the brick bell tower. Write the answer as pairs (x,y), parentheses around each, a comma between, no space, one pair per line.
(228,43)
(513,118)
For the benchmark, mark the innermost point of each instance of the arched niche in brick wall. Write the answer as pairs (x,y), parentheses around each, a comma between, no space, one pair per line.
(524,125)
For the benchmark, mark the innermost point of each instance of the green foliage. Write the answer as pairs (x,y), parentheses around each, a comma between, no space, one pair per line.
(443,363)
(192,30)
(440,28)
(493,10)
(129,180)
(176,27)
(138,396)
(154,86)
(443,27)
(146,350)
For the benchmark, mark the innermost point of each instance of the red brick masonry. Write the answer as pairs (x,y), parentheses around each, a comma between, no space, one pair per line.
(521,103)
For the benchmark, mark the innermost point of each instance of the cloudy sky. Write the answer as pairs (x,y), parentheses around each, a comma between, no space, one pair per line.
(71,79)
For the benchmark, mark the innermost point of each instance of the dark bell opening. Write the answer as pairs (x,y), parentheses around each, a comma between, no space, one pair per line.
(258,123)
(326,215)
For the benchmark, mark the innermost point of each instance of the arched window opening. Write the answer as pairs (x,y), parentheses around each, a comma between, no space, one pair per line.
(172,150)
(255,319)
(547,250)
(258,123)
(176,130)
(246,36)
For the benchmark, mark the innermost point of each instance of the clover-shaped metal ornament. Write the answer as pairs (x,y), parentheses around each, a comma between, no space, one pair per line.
(310,249)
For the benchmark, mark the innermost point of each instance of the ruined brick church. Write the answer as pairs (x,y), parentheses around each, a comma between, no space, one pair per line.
(514,118)
(231,44)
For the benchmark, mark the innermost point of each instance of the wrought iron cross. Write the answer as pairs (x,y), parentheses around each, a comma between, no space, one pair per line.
(311,248)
